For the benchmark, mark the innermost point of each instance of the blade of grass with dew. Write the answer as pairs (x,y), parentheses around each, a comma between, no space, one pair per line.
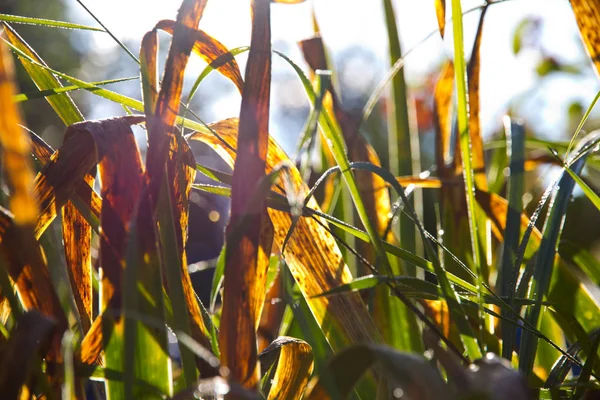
(22,97)
(43,78)
(397,324)
(466,333)
(545,263)
(400,140)
(277,202)
(584,376)
(46,22)
(465,145)
(583,308)
(507,277)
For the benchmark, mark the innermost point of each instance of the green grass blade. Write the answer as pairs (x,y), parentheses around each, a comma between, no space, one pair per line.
(545,262)
(46,22)
(464,137)
(582,258)
(44,79)
(515,138)
(171,259)
(21,97)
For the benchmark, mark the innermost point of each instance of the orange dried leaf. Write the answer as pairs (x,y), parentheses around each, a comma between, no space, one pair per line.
(440,11)
(442,108)
(160,125)
(15,147)
(24,259)
(473,73)
(587,15)
(311,253)
(210,49)
(249,232)
(272,314)
(294,365)
(43,152)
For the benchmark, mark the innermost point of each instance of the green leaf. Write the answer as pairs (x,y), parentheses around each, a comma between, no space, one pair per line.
(46,22)
(515,149)
(545,263)
(50,92)
(460,69)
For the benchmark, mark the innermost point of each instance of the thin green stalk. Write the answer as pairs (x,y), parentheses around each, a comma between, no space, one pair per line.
(465,142)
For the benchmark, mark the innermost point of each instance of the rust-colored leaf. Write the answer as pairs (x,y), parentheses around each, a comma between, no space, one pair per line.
(473,73)
(311,253)
(440,11)
(294,365)
(425,183)
(161,124)
(43,152)
(65,172)
(210,49)
(442,109)
(121,171)
(15,147)
(76,234)
(249,232)
(182,175)
(587,15)
(25,262)
(76,230)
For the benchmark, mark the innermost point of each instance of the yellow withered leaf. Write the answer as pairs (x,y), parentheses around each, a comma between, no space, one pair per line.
(182,175)
(473,73)
(440,11)
(272,314)
(294,365)
(24,260)
(442,108)
(249,233)
(587,15)
(311,253)
(43,152)
(76,230)
(211,50)
(160,124)
(15,147)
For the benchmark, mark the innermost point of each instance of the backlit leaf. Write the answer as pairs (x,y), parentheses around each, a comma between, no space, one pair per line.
(249,233)
(293,365)
(587,15)
(311,253)
(211,51)
(440,11)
